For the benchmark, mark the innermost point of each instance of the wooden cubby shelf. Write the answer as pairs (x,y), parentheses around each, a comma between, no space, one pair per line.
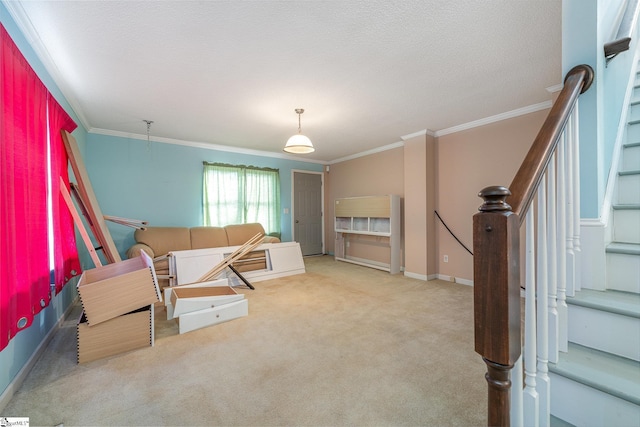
(372,216)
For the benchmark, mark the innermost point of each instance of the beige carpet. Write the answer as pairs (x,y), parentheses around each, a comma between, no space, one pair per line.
(339,345)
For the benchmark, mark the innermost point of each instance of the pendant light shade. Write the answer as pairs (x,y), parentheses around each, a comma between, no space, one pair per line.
(299,144)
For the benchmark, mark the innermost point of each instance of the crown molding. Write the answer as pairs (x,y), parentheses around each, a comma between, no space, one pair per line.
(230,149)
(496,118)
(203,145)
(422,132)
(368,152)
(556,88)
(33,39)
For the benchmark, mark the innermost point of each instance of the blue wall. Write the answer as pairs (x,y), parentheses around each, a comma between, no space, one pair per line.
(162,183)
(586,27)
(23,346)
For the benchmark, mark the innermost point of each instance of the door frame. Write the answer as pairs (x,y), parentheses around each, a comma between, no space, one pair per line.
(293,202)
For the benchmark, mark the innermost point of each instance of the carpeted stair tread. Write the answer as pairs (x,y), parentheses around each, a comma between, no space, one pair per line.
(615,375)
(617,302)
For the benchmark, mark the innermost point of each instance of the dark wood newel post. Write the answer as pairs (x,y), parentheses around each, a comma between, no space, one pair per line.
(496,273)
(496,247)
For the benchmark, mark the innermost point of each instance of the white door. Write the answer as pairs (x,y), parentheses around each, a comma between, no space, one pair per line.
(307,212)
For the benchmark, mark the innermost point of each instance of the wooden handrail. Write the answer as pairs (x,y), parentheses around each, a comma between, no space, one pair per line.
(496,248)
(526,181)
(623,36)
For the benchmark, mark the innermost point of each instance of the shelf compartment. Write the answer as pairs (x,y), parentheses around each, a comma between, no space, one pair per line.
(360,224)
(343,223)
(380,225)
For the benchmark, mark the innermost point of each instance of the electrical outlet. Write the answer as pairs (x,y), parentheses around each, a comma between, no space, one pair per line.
(446,258)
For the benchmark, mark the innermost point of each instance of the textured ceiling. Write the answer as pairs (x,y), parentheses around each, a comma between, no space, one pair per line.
(233,72)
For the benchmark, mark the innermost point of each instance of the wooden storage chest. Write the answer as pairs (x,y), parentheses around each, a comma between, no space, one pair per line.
(130,331)
(115,289)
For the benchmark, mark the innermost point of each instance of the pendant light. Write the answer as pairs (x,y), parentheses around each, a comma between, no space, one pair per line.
(298,143)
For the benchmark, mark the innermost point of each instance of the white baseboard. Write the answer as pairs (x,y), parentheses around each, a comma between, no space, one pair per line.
(455,279)
(367,262)
(466,282)
(416,276)
(17,382)
(424,277)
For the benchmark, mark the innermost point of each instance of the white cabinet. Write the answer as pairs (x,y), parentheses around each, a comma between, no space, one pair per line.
(281,259)
(376,216)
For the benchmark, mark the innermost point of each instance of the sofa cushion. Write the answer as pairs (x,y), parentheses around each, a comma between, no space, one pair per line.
(208,237)
(239,234)
(164,239)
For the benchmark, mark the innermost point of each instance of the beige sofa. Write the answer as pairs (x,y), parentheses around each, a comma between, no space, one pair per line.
(159,241)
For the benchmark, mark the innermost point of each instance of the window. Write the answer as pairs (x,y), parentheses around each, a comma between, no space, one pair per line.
(241,194)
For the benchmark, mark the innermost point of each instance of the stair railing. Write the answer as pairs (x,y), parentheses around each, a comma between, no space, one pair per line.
(547,175)
(625,31)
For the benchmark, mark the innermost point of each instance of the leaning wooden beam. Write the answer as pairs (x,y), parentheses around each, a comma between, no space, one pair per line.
(238,253)
(95,219)
(119,218)
(227,262)
(134,223)
(250,245)
(75,192)
(230,261)
(76,218)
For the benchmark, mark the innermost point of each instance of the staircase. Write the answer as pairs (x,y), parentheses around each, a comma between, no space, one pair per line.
(597,382)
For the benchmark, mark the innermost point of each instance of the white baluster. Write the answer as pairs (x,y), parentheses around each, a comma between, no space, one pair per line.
(568,194)
(552,265)
(530,395)
(516,410)
(562,255)
(575,156)
(543,384)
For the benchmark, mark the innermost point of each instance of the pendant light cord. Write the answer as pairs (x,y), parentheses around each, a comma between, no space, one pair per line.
(148,122)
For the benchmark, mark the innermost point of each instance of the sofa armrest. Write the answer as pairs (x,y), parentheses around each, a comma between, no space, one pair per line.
(134,250)
(270,239)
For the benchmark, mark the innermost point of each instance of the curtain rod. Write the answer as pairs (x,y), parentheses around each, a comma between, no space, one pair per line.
(227,165)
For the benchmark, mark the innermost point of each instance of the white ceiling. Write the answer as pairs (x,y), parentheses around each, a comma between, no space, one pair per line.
(233,72)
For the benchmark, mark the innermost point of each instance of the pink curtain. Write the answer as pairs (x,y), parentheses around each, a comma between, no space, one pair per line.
(24,264)
(66,259)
